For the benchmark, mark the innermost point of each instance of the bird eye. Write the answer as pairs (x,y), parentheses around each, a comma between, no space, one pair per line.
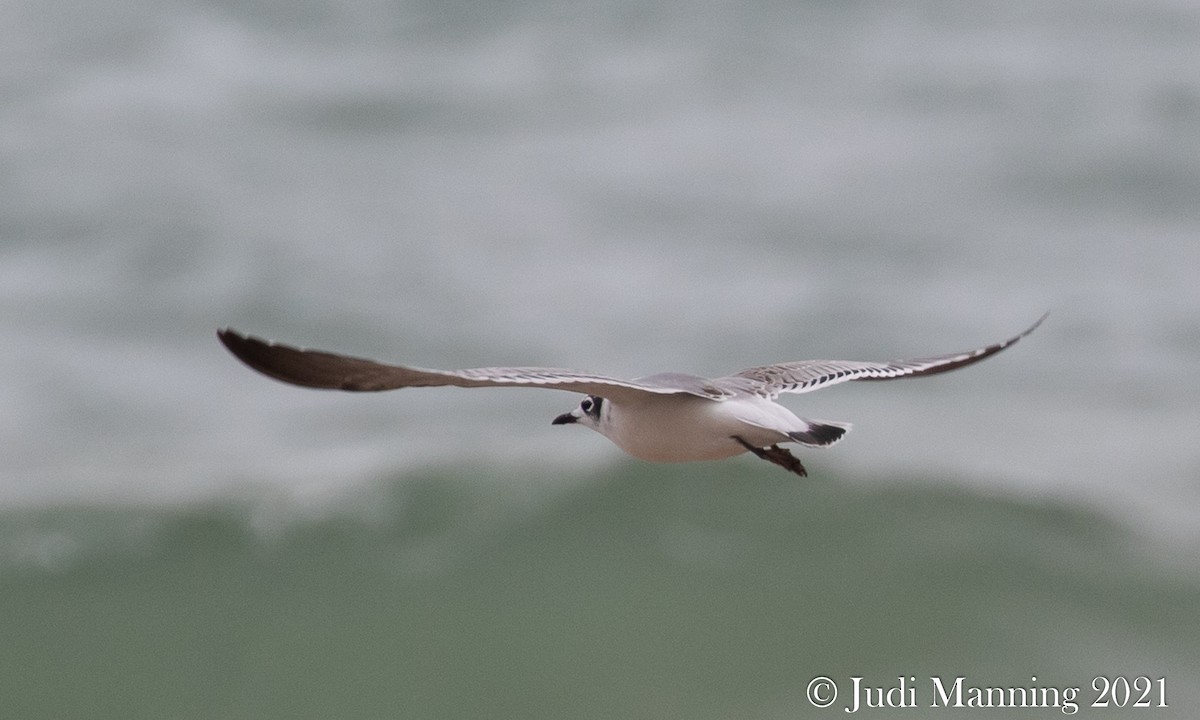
(586,405)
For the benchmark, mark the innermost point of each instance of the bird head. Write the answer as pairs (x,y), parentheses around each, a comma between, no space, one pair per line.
(587,414)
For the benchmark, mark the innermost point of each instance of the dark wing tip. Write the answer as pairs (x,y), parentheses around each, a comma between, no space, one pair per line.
(255,352)
(1034,326)
(1012,340)
(247,348)
(285,363)
(317,368)
(945,363)
(975,356)
(238,344)
(233,340)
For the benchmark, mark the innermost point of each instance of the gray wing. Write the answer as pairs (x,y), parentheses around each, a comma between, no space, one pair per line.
(317,369)
(808,375)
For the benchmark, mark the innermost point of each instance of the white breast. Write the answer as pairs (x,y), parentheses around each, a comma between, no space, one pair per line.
(681,428)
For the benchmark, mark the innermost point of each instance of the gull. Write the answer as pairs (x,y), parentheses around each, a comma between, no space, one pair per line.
(669,417)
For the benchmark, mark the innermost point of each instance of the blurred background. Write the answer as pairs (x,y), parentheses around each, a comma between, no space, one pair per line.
(627,188)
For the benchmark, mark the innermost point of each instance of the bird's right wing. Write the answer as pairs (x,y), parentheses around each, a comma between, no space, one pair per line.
(319,369)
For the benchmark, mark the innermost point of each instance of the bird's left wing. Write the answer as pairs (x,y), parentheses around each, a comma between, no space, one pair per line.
(319,369)
(808,375)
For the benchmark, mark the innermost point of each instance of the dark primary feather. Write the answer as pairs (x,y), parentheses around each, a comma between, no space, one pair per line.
(319,369)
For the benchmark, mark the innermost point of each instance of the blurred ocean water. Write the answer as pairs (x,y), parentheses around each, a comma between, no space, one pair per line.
(680,593)
(626,188)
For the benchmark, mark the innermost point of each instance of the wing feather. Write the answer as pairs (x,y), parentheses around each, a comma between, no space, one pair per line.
(326,370)
(808,375)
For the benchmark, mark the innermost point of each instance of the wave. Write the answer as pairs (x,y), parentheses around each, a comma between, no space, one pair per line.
(687,591)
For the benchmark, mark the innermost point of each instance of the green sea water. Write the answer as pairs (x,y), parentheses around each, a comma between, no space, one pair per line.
(702,591)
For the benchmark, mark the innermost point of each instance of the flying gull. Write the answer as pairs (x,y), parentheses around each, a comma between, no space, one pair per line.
(670,417)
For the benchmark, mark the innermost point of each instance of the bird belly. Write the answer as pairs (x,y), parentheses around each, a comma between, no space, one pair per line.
(685,428)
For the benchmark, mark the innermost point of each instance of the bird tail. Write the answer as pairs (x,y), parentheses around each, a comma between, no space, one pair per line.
(820,433)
